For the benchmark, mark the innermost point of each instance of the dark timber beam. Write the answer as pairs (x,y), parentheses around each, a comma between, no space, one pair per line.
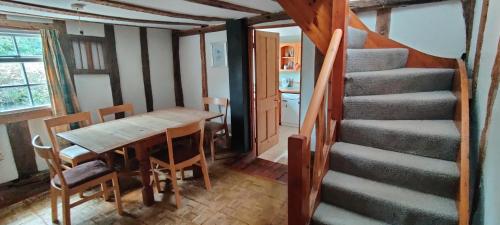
(112,64)
(133,7)
(204,82)
(20,141)
(146,74)
(363,5)
(41,8)
(228,5)
(383,23)
(179,97)
(479,43)
(207,29)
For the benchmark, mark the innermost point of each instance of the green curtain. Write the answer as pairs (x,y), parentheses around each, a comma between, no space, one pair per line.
(62,92)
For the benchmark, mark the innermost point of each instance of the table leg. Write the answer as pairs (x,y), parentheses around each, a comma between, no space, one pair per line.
(142,155)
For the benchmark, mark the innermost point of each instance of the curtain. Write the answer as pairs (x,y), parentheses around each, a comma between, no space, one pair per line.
(61,89)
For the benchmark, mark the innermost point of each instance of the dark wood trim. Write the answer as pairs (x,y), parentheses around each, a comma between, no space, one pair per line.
(275,26)
(204,82)
(19,190)
(138,8)
(208,29)
(112,64)
(20,141)
(90,60)
(381,4)
(44,8)
(269,17)
(299,177)
(383,23)
(13,24)
(479,43)
(251,69)
(468,12)
(492,94)
(146,74)
(228,5)
(74,37)
(179,98)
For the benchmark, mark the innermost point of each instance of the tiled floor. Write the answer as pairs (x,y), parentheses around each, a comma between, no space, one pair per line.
(235,198)
(279,152)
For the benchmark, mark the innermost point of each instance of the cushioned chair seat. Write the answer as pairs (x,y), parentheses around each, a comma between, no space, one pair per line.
(184,149)
(83,173)
(76,152)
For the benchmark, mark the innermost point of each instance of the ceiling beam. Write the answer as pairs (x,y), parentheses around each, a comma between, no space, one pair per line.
(133,7)
(194,31)
(364,5)
(50,9)
(227,5)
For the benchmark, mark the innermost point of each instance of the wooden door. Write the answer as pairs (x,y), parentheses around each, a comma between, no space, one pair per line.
(266,89)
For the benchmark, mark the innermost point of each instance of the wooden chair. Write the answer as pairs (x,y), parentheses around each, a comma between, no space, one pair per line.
(183,152)
(73,154)
(213,127)
(76,180)
(128,110)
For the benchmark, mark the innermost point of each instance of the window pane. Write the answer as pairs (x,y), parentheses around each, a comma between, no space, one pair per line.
(40,95)
(14,98)
(35,72)
(7,47)
(11,74)
(29,45)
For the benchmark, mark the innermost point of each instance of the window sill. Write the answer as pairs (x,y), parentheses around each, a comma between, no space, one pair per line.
(25,114)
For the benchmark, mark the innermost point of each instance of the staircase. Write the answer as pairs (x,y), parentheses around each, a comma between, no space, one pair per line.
(395,161)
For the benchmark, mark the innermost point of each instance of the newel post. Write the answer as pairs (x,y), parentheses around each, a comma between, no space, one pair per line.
(299,160)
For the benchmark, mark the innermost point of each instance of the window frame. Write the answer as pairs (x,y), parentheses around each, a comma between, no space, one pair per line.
(22,60)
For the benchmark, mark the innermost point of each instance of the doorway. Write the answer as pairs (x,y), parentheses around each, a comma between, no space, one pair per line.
(283,62)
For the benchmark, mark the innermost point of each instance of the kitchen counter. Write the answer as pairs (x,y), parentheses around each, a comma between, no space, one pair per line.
(289,91)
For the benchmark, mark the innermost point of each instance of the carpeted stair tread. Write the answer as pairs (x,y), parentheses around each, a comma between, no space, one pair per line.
(356,38)
(388,203)
(435,105)
(430,138)
(402,80)
(429,175)
(375,59)
(327,214)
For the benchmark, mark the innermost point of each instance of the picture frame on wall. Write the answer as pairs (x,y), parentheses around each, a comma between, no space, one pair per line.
(219,56)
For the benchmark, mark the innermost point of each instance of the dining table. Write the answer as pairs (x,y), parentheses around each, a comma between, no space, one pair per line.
(142,131)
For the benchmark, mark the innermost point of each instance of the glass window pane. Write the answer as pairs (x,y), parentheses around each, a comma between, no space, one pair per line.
(11,74)
(7,47)
(29,45)
(14,98)
(40,95)
(76,51)
(35,72)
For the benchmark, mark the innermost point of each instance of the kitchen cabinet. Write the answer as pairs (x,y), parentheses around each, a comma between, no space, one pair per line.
(290,106)
(290,56)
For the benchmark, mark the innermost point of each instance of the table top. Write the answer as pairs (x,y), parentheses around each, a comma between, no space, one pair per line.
(107,136)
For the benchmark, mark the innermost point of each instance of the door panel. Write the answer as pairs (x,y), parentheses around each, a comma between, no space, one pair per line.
(266,88)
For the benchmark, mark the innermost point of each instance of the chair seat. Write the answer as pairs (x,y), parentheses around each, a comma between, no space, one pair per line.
(184,150)
(211,126)
(82,173)
(76,153)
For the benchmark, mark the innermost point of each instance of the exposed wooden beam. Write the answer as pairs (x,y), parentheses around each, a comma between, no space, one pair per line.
(228,5)
(207,29)
(383,22)
(24,156)
(50,9)
(363,5)
(146,74)
(179,97)
(275,26)
(13,24)
(112,65)
(269,17)
(468,12)
(204,82)
(133,7)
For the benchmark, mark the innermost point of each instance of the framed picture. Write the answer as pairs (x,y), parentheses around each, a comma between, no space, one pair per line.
(219,58)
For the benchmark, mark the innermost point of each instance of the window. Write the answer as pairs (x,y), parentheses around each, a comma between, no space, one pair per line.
(23,82)
(88,54)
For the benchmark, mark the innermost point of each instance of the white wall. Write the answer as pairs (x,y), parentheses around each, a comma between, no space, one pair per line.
(128,53)
(307,83)
(161,67)
(217,77)
(7,164)
(434,28)
(94,92)
(190,65)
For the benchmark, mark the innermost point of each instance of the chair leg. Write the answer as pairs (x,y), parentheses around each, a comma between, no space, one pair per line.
(156,179)
(118,198)
(212,147)
(226,132)
(173,177)
(126,159)
(204,170)
(53,204)
(183,176)
(105,190)
(66,208)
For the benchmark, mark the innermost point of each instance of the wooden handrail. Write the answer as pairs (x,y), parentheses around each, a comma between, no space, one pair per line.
(321,84)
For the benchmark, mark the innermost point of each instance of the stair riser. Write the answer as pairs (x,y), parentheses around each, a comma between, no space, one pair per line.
(427,182)
(397,83)
(360,60)
(385,211)
(427,109)
(405,142)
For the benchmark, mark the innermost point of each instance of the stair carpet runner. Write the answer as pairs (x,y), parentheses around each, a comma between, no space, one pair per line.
(395,162)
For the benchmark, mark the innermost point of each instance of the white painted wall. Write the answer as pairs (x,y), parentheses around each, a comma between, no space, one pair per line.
(190,65)
(128,52)
(307,83)
(37,127)
(217,77)
(161,67)
(89,29)
(93,92)
(434,28)
(7,165)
